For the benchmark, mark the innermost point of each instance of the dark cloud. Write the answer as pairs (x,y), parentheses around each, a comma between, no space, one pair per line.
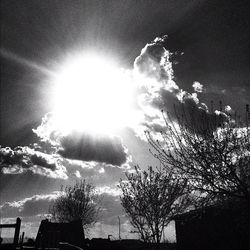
(80,145)
(25,157)
(90,148)
(22,159)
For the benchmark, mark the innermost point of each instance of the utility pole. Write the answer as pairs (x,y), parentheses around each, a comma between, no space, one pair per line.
(247,114)
(119,227)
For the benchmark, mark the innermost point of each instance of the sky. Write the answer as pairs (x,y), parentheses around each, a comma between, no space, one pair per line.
(82,80)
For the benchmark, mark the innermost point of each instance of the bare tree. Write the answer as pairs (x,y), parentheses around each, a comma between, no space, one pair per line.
(150,199)
(211,152)
(78,202)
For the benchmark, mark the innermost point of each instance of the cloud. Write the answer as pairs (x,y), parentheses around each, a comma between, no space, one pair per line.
(198,87)
(101,159)
(100,174)
(229,110)
(82,146)
(78,175)
(154,61)
(85,147)
(31,206)
(160,92)
(38,179)
(113,191)
(22,159)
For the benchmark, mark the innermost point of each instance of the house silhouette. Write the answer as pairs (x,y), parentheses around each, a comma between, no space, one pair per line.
(50,234)
(223,227)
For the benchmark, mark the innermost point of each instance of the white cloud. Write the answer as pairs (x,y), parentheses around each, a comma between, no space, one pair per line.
(113,191)
(77,173)
(160,92)
(198,87)
(228,109)
(31,206)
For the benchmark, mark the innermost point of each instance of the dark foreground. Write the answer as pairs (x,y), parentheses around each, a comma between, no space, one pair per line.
(100,244)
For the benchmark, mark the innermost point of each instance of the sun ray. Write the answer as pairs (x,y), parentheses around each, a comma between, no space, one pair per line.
(21,60)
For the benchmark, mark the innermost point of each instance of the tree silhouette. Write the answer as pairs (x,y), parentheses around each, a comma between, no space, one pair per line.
(211,151)
(150,199)
(78,202)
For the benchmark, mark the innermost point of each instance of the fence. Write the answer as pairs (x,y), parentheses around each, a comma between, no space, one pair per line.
(17,226)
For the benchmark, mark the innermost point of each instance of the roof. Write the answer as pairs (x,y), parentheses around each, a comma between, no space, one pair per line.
(215,209)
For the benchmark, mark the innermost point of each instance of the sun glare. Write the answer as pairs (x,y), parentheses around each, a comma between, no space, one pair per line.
(92,94)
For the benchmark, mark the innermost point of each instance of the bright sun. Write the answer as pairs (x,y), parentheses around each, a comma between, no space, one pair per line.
(92,94)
